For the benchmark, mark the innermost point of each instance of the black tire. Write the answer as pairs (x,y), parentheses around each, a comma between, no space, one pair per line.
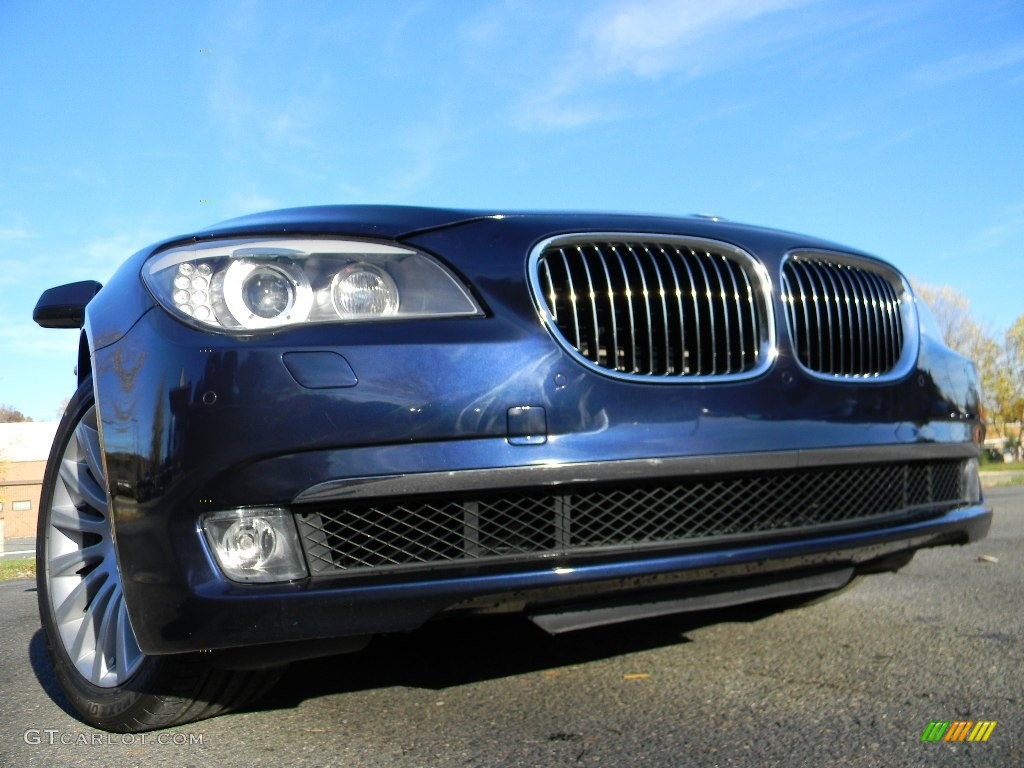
(95,657)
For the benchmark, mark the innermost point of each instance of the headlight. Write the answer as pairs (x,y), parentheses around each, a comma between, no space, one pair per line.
(363,290)
(250,285)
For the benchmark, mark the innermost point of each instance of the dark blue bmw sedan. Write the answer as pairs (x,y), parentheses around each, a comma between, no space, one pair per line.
(299,429)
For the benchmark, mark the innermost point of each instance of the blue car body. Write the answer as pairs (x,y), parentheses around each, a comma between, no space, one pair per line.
(489,462)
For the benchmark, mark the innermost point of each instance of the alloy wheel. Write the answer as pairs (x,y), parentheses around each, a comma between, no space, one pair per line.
(83,581)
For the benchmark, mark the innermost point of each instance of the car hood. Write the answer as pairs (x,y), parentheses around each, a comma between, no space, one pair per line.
(383,221)
(391,222)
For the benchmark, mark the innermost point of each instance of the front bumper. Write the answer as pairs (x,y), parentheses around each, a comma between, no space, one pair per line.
(215,614)
(193,423)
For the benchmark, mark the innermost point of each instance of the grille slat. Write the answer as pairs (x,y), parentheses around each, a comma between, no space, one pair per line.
(738,314)
(896,338)
(550,294)
(884,318)
(666,349)
(867,330)
(709,306)
(818,328)
(882,329)
(695,340)
(828,296)
(629,305)
(572,298)
(846,303)
(410,533)
(612,311)
(647,339)
(592,336)
(720,295)
(896,327)
(845,315)
(660,308)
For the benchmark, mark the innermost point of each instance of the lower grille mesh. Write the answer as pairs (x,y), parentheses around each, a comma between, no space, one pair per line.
(424,532)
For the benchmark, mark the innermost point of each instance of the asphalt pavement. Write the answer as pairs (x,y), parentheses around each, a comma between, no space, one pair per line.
(851,681)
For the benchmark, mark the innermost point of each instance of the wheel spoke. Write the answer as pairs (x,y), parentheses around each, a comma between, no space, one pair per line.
(84,643)
(127,649)
(88,438)
(70,519)
(82,486)
(75,560)
(106,641)
(76,602)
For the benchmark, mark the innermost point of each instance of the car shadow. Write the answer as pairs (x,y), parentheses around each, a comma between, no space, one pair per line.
(39,658)
(455,652)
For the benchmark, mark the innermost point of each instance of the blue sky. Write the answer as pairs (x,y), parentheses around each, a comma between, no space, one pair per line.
(894,127)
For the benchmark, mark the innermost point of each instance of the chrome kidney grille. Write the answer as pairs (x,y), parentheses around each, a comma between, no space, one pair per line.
(847,317)
(657,308)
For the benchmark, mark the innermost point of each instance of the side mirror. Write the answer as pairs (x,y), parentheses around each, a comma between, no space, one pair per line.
(64,305)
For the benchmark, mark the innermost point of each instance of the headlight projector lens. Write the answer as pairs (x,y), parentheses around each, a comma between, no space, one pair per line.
(267,293)
(261,295)
(362,290)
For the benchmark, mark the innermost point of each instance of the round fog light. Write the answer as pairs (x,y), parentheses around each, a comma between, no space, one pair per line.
(247,543)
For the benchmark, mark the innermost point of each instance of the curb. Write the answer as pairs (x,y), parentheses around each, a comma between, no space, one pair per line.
(999,479)
(16,548)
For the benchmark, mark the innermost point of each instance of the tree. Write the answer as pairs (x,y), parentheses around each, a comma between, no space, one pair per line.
(962,333)
(1000,366)
(9,414)
(1014,347)
(62,407)
(1010,386)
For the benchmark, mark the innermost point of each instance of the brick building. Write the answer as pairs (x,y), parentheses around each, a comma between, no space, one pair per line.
(24,447)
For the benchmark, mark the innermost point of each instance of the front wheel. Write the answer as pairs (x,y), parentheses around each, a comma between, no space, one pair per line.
(92,646)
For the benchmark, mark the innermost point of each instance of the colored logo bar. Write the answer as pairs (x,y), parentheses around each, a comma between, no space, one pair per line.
(958,730)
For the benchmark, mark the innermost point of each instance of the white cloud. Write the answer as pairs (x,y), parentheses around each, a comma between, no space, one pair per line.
(485,29)
(252,202)
(36,266)
(15,233)
(632,41)
(98,258)
(23,337)
(1008,229)
(423,147)
(971,64)
(647,39)
(257,117)
(899,138)
(553,110)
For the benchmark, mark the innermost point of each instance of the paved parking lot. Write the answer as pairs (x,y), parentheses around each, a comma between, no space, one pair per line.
(850,681)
